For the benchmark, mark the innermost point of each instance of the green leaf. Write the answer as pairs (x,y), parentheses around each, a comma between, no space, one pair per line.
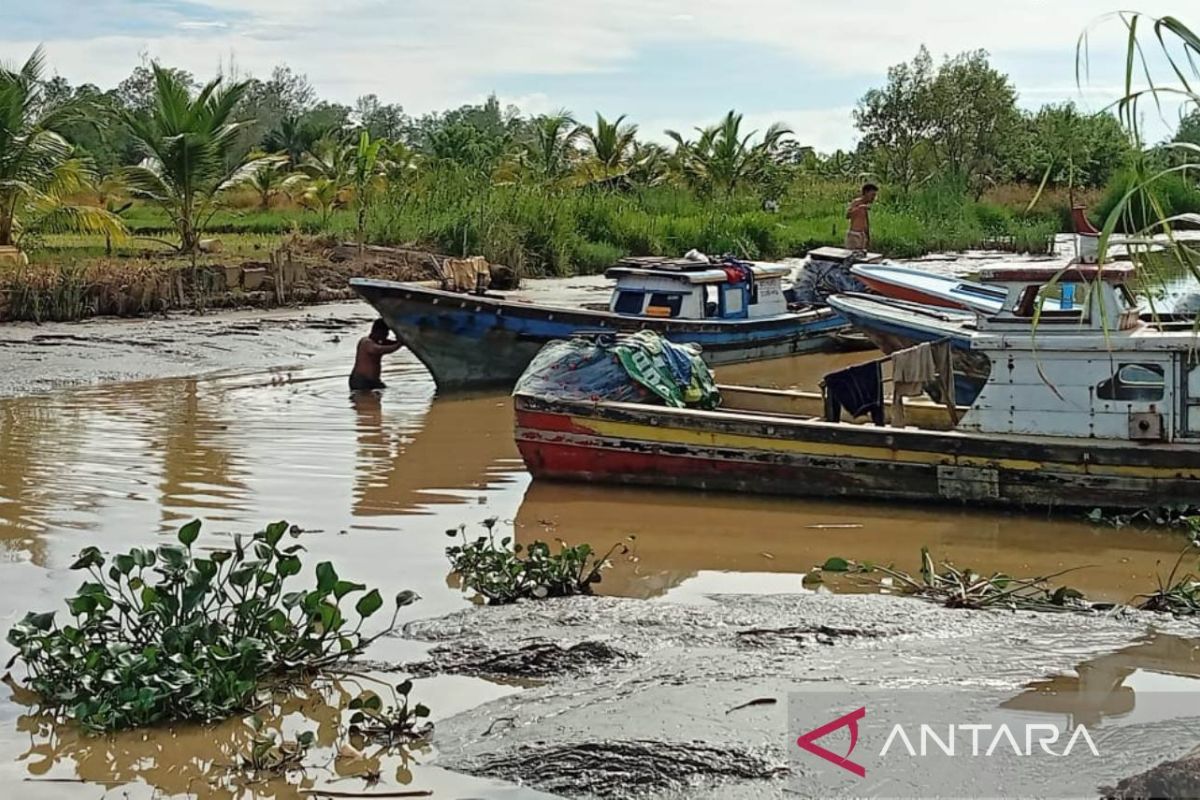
(421,710)
(343,588)
(189,532)
(288,566)
(275,532)
(405,687)
(369,603)
(406,598)
(835,564)
(88,557)
(173,556)
(327,577)
(41,622)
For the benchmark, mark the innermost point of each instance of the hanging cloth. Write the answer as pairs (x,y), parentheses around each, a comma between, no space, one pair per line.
(859,390)
(912,368)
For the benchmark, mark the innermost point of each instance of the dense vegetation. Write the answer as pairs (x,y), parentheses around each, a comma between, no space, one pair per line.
(162,156)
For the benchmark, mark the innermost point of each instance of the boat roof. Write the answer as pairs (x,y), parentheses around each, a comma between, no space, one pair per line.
(708,274)
(1071,273)
(842,254)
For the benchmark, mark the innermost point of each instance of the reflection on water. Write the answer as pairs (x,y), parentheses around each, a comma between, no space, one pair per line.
(685,537)
(376,481)
(209,761)
(1108,686)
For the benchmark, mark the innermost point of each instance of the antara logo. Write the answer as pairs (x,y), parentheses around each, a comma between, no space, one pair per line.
(809,741)
(1036,738)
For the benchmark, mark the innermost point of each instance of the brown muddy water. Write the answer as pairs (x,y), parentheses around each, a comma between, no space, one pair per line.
(376,482)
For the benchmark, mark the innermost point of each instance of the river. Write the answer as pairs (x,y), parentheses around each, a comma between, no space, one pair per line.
(375,483)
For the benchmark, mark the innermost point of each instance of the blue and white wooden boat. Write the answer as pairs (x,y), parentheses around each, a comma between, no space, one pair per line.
(486,340)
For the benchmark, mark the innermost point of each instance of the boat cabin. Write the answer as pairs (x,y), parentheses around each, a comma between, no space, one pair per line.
(1063,299)
(697,290)
(1089,367)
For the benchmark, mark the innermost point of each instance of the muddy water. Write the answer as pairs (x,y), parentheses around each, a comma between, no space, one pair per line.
(375,483)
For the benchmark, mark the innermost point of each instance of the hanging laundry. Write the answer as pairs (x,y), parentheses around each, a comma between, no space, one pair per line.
(859,390)
(943,358)
(912,369)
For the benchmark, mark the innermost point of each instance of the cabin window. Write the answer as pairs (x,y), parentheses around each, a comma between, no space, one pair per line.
(754,293)
(630,302)
(1133,382)
(663,304)
(1066,302)
(711,308)
(734,301)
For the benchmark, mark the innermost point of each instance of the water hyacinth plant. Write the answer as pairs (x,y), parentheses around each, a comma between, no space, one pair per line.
(505,571)
(176,633)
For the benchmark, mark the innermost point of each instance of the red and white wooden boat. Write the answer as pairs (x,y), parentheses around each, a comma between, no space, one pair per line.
(926,288)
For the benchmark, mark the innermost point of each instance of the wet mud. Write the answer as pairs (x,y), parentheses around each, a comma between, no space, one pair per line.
(1176,779)
(619,769)
(708,672)
(534,660)
(40,358)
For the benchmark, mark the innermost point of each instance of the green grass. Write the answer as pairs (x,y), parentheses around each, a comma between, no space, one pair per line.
(562,231)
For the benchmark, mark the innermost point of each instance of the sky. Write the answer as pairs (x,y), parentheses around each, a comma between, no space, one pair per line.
(665,63)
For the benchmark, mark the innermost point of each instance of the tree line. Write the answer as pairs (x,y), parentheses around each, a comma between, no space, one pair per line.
(162,137)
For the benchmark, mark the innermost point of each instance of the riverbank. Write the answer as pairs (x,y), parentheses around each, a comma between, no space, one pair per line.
(240,272)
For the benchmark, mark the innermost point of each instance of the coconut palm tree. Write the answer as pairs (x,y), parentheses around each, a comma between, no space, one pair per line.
(551,146)
(39,170)
(611,143)
(188,144)
(722,158)
(266,176)
(294,138)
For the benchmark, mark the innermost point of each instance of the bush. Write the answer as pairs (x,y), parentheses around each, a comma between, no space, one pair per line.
(1174,193)
(168,634)
(503,575)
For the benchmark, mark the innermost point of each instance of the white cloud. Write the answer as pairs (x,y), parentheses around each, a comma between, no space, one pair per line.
(430,54)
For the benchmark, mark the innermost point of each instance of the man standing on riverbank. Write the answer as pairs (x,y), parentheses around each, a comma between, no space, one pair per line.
(368,360)
(859,214)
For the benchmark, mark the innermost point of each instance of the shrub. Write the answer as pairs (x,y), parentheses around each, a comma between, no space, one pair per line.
(169,634)
(504,572)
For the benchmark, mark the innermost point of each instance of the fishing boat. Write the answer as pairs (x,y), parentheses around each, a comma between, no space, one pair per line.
(927,288)
(736,312)
(1093,408)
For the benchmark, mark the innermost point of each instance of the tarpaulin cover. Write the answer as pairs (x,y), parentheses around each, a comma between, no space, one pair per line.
(635,368)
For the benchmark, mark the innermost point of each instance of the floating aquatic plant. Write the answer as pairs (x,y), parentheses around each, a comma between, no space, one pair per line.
(176,633)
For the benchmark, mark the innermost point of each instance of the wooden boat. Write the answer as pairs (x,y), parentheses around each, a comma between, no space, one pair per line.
(474,341)
(926,288)
(1071,415)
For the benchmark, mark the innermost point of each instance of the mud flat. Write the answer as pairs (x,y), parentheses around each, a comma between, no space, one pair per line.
(700,710)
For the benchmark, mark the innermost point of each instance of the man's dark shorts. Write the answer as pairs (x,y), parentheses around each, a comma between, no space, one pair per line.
(361,383)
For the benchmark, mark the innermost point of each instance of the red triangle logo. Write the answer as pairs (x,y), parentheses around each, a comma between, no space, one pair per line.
(809,741)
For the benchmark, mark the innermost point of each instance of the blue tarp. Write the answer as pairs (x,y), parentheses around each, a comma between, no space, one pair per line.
(639,367)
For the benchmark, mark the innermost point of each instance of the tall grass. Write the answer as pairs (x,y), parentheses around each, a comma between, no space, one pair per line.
(542,230)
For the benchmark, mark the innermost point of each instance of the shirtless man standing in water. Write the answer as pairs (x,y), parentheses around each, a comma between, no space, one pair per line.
(859,214)
(368,361)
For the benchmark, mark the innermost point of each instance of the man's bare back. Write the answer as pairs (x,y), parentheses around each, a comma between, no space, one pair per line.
(368,358)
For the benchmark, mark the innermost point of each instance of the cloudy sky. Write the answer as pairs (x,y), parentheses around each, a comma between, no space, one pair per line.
(665,63)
